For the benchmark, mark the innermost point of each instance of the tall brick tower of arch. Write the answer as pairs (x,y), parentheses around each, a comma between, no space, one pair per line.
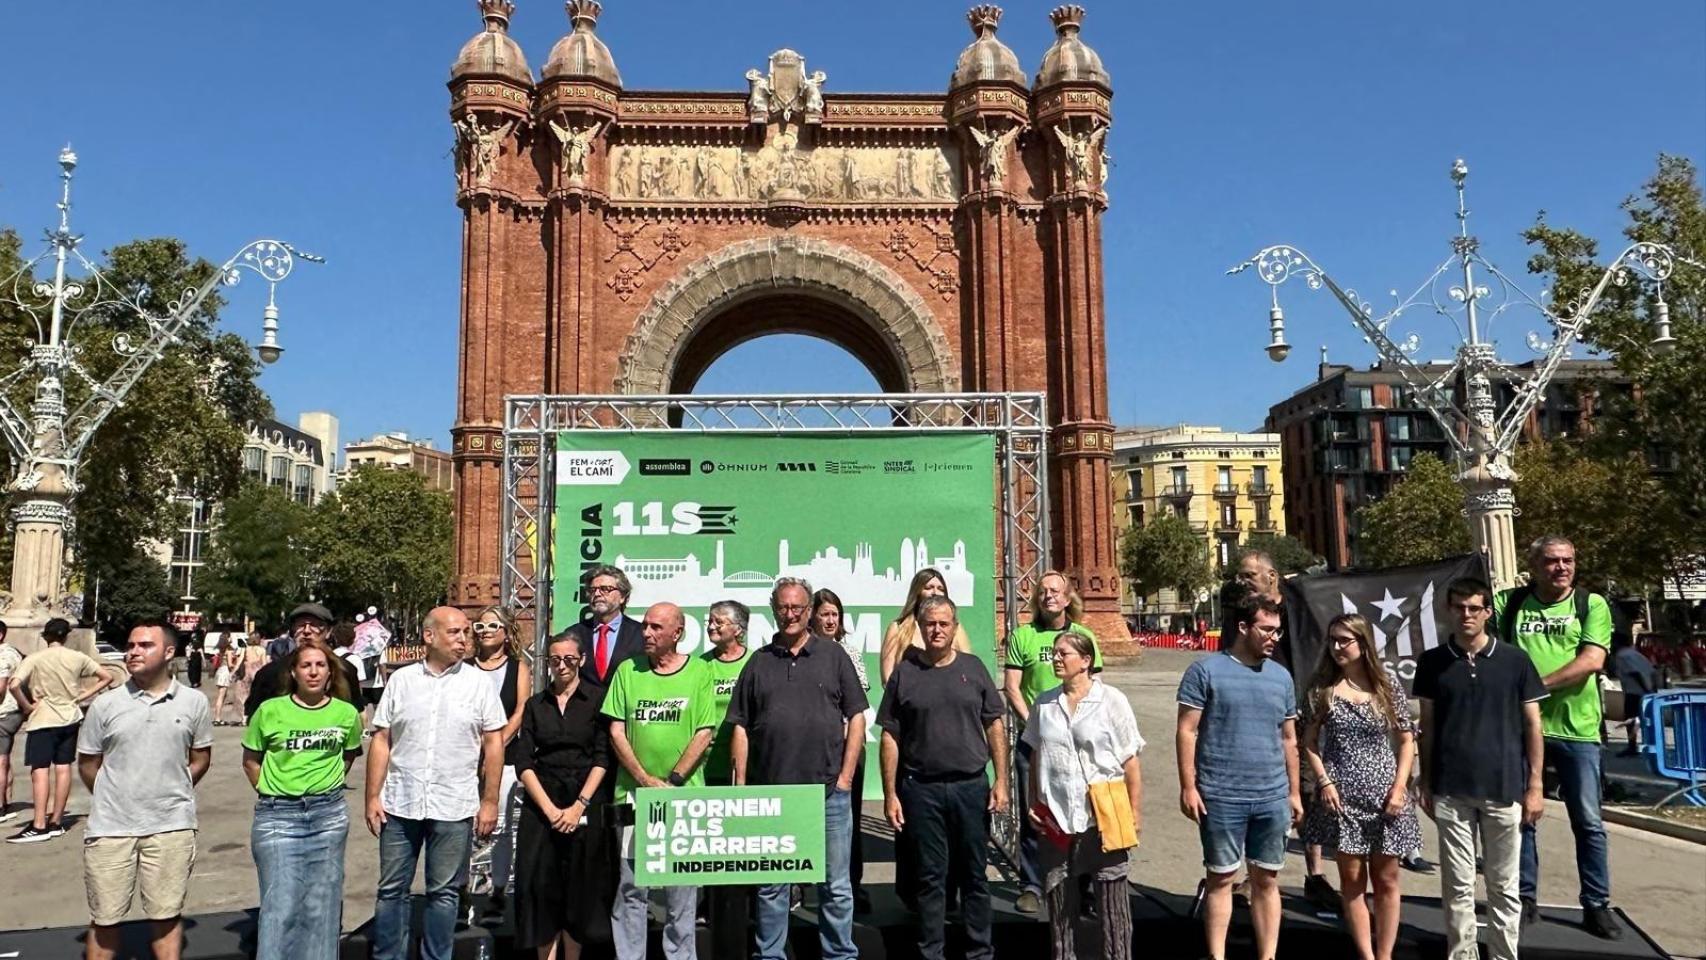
(619,241)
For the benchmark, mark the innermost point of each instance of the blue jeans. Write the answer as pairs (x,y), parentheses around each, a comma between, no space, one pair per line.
(1238,830)
(947,823)
(834,894)
(298,846)
(400,843)
(1030,873)
(1577,763)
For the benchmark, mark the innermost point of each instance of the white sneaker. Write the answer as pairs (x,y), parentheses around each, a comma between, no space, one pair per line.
(6,815)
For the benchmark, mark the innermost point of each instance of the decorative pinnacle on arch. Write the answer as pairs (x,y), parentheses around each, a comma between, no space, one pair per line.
(1067,19)
(497,14)
(584,13)
(984,19)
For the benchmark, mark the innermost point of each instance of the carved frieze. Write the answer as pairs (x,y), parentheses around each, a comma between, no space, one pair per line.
(781,169)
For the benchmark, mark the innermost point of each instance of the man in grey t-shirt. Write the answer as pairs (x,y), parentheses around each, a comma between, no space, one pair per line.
(141,751)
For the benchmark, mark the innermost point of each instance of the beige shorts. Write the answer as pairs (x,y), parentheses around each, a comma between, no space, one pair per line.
(115,868)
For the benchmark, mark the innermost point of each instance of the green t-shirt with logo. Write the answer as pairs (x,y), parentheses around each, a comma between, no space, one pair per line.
(302,750)
(719,762)
(1030,649)
(660,713)
(1551,636)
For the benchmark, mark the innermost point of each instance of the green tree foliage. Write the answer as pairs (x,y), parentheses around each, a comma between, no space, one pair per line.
(259,554)
(1661,418)
(131,585)
(1165,554)
(383,539)
(1289,554)
(1420,520)
(183,421)
(1626,528)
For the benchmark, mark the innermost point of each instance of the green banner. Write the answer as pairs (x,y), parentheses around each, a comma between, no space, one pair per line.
(713,836)
(694,518)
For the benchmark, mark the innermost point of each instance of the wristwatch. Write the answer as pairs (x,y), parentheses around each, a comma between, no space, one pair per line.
(675,778)
(584,801)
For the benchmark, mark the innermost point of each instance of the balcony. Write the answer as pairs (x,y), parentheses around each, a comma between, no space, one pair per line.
(1260,489)
(1199,526)
(1224,525)
(1178,491)
(1225,491)
(1264,526)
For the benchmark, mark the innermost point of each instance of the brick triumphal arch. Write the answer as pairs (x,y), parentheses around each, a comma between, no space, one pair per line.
(619,241)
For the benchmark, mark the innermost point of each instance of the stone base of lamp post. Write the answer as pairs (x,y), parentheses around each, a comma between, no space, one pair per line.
(38,571)
(1492,511)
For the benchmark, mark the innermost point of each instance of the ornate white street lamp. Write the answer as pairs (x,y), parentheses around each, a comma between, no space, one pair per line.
(1482,437)
(47,442)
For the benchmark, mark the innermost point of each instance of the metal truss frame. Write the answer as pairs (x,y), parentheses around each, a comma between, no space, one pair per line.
(1018,421)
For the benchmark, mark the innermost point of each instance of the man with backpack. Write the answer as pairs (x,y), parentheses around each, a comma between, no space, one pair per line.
(1567,633)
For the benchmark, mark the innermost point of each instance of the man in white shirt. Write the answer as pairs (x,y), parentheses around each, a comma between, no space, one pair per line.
(10,721)
(432,774)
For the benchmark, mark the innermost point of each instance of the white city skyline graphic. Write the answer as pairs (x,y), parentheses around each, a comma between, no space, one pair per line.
(685,581)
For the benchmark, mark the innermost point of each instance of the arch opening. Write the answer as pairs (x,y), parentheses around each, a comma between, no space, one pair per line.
(786,336)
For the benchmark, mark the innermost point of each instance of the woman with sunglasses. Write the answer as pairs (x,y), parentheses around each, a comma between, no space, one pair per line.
(566,871)
(1360,742)
(498,653)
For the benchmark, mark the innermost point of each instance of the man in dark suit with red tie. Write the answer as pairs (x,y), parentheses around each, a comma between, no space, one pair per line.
(607,636)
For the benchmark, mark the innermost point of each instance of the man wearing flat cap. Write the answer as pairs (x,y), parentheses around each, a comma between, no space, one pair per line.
(310,624)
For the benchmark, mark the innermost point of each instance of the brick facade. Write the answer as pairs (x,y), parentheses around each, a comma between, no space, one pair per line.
(619,241)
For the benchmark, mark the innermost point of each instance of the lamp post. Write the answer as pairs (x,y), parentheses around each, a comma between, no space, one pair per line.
(1482,436)
(47,440)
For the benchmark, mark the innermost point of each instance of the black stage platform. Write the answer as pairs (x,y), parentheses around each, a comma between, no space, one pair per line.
(1164,930)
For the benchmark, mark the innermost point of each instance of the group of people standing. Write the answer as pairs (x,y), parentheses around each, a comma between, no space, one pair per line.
(1511,690)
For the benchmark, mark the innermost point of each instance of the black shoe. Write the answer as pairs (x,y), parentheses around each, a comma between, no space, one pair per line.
(1416,863)
(32,834)
(1318,890)
(1602,923)
(1530,911)
(796,896)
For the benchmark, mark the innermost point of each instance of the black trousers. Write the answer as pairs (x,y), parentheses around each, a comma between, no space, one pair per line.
(856,866)
(729,914)
(947,827)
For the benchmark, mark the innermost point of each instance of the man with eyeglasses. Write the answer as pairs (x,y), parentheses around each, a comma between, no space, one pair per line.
(608,635)
(1480,758)
(310,624)
(1237,752)
(798,714)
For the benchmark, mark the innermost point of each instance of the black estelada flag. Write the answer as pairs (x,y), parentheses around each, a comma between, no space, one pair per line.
(1405,605)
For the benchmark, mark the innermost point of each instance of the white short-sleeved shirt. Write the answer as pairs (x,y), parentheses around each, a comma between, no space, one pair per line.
(1072,751)
(144,741)
(10,658)
(436,722)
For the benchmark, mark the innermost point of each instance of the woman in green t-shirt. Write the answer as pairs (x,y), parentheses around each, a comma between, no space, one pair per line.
(296,752)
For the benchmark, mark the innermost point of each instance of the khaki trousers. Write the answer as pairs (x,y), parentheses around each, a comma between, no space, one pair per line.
(1500,827)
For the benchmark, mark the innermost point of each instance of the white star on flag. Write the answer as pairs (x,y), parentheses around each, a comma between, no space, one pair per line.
(1391,606)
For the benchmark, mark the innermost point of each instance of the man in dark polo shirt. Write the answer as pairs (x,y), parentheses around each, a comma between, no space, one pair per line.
(941,720)
(799,717)
(1480,756)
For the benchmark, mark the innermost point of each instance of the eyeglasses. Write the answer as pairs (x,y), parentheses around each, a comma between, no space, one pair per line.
(488,627)
(564,661)
(791,608)
(1464,608)
(1342,641)
(1265,633)
(599,588)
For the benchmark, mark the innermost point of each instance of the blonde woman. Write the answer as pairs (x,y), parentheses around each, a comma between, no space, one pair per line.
(1360,742)
(499,653)
(903,632)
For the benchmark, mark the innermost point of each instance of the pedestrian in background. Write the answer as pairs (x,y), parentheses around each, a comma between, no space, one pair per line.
(1360,743)
(51,687)
(309,623)
(224,664)
(432,784)
(141,752)
(297,752)
(1083,736)
(1635,674)
(249,665)
(11,720)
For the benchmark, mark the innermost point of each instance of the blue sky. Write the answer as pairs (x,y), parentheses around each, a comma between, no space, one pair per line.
(1330,125)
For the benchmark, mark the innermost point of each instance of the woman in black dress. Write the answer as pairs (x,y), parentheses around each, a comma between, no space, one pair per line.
(566,871)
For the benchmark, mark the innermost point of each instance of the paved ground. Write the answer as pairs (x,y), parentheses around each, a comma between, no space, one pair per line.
(1660,882)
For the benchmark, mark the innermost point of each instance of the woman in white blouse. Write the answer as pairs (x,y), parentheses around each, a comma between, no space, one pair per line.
(1082,732)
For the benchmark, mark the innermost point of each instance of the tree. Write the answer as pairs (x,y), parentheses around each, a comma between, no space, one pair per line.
(1627,530)
(1420,520)
(258,556)
(130,586)
(181,425)
(383,539)
(1659,420)
(1289,554)
(1165,554)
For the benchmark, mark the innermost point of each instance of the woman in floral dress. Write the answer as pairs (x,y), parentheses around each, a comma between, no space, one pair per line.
(1360,742)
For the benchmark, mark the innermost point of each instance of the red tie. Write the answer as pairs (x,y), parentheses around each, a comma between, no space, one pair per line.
(601,656)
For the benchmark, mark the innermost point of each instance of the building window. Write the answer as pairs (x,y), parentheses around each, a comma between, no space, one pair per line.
(1259,477)
(1223,476)
(1398,458)
(1359,398)
(1398,428)
(1178,454)
(279,474)
(253,458)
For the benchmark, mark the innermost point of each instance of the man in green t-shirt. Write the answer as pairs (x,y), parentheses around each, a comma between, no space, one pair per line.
(662,712)
(1055,608)
(1568,636)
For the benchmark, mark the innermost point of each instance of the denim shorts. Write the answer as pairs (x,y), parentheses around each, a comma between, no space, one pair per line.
(1238,830)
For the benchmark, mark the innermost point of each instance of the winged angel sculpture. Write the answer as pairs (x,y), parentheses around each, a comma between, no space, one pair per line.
(992,154)
(1080,147)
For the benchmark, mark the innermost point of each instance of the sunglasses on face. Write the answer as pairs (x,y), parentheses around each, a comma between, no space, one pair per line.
(567,660)
(488,627)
